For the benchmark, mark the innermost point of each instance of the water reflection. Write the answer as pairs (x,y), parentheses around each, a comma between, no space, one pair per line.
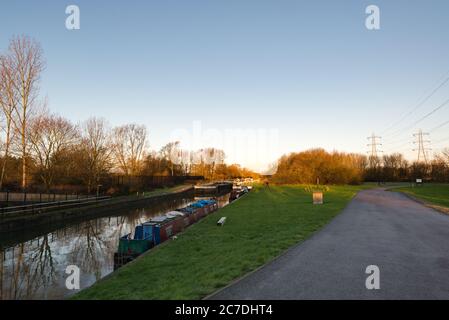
(35,269)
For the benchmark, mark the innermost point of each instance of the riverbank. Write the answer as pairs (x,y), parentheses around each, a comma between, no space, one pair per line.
(433,195)
(20,221)
(205,258)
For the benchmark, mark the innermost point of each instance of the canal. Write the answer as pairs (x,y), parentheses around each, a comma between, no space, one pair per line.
(34,266)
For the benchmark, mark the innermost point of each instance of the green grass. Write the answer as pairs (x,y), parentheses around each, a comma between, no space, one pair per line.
(434,193)
(148,194)
(259,227)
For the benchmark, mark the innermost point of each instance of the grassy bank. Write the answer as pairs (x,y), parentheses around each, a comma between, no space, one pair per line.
(205,257)
(153,193)
(433,193)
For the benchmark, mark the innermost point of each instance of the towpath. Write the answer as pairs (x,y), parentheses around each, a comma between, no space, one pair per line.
(407,241)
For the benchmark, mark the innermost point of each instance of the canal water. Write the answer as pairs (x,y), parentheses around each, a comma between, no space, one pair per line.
(34,266)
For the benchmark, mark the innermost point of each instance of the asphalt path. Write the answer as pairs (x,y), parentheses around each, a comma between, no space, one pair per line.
(407,241)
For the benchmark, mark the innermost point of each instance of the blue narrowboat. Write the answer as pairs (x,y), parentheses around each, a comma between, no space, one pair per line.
(159,229)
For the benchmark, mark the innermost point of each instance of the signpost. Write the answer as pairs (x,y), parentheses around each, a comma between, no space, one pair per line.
(318,197)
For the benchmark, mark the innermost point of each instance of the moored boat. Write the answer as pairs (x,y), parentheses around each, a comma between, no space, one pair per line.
(237,192)
(159,229)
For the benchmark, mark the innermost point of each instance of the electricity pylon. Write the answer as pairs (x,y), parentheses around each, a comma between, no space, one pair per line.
(422,147)
(373,145)
(374,161)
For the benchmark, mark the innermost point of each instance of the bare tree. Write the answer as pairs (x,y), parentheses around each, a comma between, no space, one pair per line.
(26,59)
(185,162)
(212,158)
(49,135)
(95,150)
(8,105)
(129,148)
(170,152)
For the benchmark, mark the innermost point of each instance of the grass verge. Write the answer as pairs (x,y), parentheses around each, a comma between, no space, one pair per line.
(204,258)
(434,193)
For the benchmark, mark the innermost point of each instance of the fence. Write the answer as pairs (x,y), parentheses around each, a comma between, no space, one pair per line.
(42,207)
(146,182)
(7,197)
(124,183)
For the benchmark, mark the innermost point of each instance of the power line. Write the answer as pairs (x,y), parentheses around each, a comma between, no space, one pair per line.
(442,140)
(404,146)
(398,141)
(439,126)
(424,117)
(420,104)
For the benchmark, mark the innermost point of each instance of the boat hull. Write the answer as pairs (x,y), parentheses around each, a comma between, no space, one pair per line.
(150,234)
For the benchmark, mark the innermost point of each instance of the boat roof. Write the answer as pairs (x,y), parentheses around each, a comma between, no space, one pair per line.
(158,219)
(180,212)
(173,214)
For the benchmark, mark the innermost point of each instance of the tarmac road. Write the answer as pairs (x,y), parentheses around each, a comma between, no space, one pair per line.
(406,240)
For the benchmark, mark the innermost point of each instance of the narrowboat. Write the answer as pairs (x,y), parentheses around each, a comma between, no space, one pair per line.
(237,192)
(159,229)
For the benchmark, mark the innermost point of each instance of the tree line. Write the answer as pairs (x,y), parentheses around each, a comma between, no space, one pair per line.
(40,149)
(394,167)
(319,166)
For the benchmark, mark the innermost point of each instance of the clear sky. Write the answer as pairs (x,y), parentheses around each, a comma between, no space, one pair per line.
(280,75)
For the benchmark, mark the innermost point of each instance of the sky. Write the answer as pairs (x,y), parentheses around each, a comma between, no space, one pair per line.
(256,78)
